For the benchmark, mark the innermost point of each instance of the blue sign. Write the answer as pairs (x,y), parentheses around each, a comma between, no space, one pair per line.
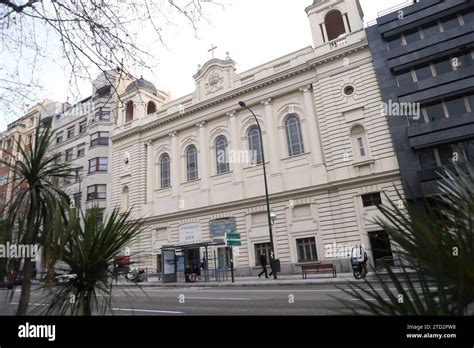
(218,228)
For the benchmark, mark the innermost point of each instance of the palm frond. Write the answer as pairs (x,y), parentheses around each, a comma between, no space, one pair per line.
(435,238)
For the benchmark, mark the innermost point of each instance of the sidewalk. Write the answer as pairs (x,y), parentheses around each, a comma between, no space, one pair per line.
(291,279)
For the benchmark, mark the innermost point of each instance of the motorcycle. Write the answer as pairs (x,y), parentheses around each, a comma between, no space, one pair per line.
(359,262)
(136,275)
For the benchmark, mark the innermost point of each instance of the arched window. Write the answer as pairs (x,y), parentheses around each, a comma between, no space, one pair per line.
(151,108)
(125,198)
(165,171)
(334,24)
(129,112)
(360,144)
(191,163)
(222,156)
(255,146)
(293,136)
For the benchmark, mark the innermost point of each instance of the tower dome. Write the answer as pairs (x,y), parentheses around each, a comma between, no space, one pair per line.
(141,83)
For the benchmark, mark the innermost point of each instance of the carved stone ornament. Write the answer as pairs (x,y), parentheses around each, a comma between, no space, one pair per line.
(215,82)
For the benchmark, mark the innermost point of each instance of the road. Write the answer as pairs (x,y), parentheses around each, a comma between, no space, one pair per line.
(255,300)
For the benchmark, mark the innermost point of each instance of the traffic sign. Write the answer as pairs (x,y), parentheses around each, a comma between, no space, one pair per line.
(233,242)
(232,235)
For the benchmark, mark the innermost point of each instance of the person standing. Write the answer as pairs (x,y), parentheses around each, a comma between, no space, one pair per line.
(263,262)
(188,274)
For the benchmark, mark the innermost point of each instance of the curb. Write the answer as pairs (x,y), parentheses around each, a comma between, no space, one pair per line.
(237,284)
(289,282)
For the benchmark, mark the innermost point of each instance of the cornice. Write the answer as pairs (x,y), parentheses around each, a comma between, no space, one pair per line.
(278,197)
(255,85)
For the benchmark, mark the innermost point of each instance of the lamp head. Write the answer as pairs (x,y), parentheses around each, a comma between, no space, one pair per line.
(273,216)
(242,104)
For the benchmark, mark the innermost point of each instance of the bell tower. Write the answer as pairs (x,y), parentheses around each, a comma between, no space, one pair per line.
(334,19)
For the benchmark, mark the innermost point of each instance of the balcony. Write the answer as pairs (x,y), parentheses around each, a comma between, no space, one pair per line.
(340,41)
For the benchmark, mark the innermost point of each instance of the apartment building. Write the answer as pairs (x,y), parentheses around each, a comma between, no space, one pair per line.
(424,61)
(82,134)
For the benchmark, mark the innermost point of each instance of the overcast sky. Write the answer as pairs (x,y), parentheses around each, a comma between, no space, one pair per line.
(253,31)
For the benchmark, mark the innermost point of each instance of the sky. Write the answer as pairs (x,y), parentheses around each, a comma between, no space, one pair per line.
(252,31)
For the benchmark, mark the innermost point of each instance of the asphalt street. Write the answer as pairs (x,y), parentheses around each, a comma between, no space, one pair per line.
(255,300)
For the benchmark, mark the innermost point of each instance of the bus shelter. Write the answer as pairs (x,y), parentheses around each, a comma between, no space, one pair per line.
(212,257)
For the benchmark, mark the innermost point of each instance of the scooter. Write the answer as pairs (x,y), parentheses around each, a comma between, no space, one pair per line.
(359,262)
(136,275)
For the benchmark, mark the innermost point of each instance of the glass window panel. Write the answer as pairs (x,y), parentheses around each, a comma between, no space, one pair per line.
(70,132)
(301,252)
(222,155)
(450,22)
(468,17)
(103,164)
(165,171)
(254,146)
(306,249)
(427,159)
(405,79)
(412,36)
(423,72)
(413,122)
(446,153)
(370,199)
(455,106)
(470,99)
(69,154)
(307,254)
(191,157)
(462,61)
(468,150)
(293,136)
(435,111)
(430,29)
(361,147)
(314,255)
(92,166)
(442,66)
(394,42)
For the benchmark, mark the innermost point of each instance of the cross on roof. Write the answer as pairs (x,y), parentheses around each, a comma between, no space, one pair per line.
(212,50)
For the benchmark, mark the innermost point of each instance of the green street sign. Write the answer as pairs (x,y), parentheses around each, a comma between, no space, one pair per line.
(232,235)
(233,243)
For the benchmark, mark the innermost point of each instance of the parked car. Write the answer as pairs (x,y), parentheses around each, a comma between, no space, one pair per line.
(13,280)
(62,278)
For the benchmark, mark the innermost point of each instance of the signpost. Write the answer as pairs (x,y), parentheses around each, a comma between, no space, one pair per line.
(232,239)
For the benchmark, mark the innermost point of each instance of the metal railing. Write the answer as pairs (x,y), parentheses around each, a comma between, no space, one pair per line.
(395,8)
(395,262)
(387,11)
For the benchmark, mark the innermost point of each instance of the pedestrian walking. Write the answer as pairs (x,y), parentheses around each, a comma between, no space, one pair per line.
(263,262)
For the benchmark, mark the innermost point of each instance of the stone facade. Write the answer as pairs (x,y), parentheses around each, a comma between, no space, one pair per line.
(343,152)
(82,134)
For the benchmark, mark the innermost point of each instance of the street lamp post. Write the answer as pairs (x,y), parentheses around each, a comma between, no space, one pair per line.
(272,248)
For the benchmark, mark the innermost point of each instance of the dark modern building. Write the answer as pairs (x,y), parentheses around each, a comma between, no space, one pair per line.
(424,60)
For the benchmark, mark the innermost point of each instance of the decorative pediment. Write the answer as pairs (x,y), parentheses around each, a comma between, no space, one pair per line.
(214,77)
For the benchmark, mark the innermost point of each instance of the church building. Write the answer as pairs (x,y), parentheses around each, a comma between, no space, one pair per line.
(192,167)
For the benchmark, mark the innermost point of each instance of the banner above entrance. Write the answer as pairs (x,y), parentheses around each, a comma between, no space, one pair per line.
(190,234)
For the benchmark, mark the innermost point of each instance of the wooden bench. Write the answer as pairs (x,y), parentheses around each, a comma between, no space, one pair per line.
(318,267)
